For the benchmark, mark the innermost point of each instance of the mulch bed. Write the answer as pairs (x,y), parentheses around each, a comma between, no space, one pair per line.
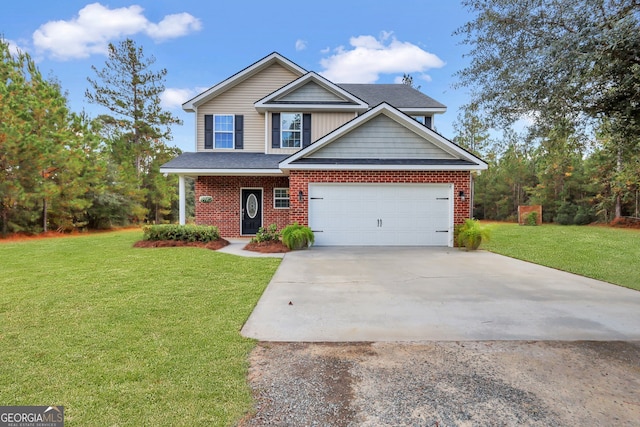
(215,245)
(267,247)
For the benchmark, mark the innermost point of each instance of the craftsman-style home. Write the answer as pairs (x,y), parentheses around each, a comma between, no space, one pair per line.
(358,163)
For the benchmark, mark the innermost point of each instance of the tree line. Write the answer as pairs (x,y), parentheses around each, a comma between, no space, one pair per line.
(570,70)
(63,170)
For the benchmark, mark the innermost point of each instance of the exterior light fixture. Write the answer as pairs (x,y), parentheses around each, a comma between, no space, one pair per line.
(462,196)
(300,196)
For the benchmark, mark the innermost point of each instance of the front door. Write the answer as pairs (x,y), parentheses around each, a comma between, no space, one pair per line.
(251,211)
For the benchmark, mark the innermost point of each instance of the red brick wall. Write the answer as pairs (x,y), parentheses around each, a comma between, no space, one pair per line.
(299,180)
(224,211)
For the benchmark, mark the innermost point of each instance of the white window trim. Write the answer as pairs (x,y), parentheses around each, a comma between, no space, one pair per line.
(282,130)
(281,198)
(232,131)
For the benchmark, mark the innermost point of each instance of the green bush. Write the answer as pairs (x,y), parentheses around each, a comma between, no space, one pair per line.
(566,213)
(296,236)
(182,233)
(531,218)
(269,234)
(584,216)
(471,234)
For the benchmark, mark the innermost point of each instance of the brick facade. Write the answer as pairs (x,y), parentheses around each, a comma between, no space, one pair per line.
(299,181)
(224,211)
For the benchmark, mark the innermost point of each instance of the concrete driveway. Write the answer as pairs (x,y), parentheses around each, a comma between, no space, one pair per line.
(416,294)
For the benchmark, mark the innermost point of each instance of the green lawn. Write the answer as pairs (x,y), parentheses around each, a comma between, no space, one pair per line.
(604,253)
(124,336)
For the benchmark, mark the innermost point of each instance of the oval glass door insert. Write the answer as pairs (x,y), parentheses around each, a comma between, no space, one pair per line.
(252,206)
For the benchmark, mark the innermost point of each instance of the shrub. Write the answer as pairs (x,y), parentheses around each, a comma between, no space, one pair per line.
(471,233)
(296,236)
(269,234)
(531,218)
(583,216)
(183,233)
(566,213)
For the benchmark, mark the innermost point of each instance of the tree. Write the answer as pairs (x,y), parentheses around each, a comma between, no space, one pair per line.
(556,61)
(43,152)
(139,127)
(472,132)
(407,79)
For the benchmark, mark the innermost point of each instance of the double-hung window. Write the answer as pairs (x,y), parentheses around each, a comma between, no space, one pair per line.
(291,130)
(223,131)
(280,198)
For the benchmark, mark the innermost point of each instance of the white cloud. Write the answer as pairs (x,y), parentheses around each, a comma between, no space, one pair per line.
(175,97)
(14,49)
(301,45)
(369,57)
(96,25)
(177,25)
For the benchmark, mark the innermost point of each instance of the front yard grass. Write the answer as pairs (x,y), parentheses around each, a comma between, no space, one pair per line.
(123,336)
(603,253)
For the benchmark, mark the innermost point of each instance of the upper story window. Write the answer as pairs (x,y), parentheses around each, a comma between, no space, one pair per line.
(419,118)
(291,129)
(223,131)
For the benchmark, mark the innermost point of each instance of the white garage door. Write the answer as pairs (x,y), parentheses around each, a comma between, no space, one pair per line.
(381,214)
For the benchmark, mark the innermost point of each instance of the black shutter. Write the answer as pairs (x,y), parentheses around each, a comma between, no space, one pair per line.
(208,131)
(427,122)
(275,130)
(239,126)
(306,130)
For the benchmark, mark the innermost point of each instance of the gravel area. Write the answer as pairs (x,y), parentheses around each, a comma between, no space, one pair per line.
(446,384)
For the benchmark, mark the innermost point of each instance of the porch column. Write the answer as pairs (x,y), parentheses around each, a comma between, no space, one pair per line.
(181,198)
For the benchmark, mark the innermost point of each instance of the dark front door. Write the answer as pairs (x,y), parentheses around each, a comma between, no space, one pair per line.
(251,211)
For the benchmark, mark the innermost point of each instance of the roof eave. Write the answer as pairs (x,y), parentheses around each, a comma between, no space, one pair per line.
(212,92)
(288,167)
(222,172)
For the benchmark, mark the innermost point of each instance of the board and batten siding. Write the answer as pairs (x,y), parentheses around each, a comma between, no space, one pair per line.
(311,92)
(321,124)
(240,99)
(382,138)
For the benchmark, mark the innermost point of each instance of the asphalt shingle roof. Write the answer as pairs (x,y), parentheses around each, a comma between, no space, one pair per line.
(217,160)
(398,95)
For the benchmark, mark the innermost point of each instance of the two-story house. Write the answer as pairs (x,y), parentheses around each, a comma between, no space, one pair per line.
(358,163)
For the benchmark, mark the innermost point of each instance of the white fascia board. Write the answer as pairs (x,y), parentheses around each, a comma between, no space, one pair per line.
(419,111)
(222,172)
(310,107)
(357,167)
(190,105)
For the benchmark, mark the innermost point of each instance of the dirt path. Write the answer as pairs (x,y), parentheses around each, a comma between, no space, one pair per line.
(446,384)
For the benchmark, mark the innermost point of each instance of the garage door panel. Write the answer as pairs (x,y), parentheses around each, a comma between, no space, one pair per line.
(381,214)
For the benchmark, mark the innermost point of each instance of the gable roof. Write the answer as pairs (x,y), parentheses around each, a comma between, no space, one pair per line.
(321,94)
(402,96)
(438,152)
(256,67)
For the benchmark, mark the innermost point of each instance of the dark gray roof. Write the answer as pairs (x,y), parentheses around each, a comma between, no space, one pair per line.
(226,160)
(399,95)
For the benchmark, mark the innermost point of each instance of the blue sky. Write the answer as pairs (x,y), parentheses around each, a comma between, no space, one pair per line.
(201,43)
